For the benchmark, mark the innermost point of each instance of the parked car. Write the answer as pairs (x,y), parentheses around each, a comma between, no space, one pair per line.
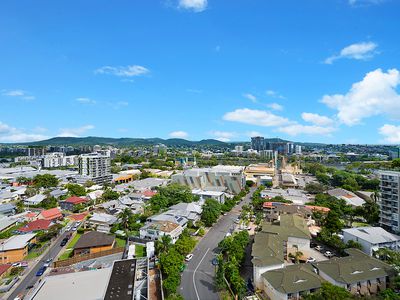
(214,261)
(48,262)
(189,257)
(64,242)
(328,254)
(318,248)
(74,228)
(41,271)
(311,260)
(68,228)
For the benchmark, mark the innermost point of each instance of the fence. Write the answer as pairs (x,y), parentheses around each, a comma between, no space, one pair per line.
(77,259)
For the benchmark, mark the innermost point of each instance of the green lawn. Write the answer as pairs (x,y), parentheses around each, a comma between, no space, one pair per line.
(32,255)
(120,242)
(74,240)
(359,224)
(66,254)
(70,247)
(140,251)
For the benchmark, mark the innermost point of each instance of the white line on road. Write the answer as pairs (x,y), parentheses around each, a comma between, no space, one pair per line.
(194,274)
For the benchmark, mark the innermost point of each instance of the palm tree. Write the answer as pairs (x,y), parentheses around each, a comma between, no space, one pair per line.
(163,244)
(125,217)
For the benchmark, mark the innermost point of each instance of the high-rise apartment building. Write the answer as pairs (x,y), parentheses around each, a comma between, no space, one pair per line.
(389,200)
(95,167)
(258,143)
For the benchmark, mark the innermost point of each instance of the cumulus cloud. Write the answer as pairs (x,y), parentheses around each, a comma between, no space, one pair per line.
(123,71)
(274,94)
(251,97)
(358,51)
(85,100)
(11,134)
(179,134)
(223,136)
(316,119)
(18,94)
(193,5)
(75,132)
(254,133)
(391,133)
(374,95)
(255,117)
(297,129)
(275,106)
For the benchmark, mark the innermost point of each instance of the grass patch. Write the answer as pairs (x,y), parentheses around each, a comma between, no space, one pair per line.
(140,251)
(67,254)
(32,255)
(359,224)
(120,242)
(74,240)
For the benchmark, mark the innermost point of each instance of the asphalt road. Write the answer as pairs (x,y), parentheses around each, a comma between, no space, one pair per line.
(197,281)
(31,278)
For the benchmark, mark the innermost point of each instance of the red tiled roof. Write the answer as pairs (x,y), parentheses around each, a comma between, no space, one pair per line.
(35,226)
(51,214)
(78,217)
(31,214)
(318,208)
(149,193)
(75,200)
(4,268)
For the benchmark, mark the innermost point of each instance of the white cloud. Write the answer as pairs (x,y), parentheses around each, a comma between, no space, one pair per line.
(119,104)
(255,117)
(251,97)
(391,133)
(18,93)
(275,106)
(297,129)
(274,94)
(223,136)
(316,119)
(359,51)
(121,71)
(13,135)
(193,5)
(254,133)
(75,132)
(179,134)
(374,95)
(85,100)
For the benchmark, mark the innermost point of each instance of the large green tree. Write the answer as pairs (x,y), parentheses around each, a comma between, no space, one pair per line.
(45,181)
(211,212)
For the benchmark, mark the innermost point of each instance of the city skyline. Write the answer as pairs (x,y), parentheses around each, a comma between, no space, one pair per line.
(197,69)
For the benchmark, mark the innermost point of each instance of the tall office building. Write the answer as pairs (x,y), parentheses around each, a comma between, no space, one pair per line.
(258,143)
(298,149)
(95,167)
(389,200)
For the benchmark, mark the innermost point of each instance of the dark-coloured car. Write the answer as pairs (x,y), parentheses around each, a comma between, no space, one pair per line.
(63,242)
(41,271)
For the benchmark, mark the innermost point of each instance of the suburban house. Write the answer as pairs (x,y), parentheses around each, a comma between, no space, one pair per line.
(273,244)
(93,242)
(57,193)
(156,229)
(34,200)
(190,211)
(292,282)
(216,195)
(7,196)
(372,238)
(37,225)
(170,216)
(51,214)
(359,273)
(102,222)
(350,198)
(16,248)
(72,202)
(7,223)
(7,209)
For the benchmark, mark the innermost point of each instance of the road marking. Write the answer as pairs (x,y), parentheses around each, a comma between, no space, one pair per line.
(194,274)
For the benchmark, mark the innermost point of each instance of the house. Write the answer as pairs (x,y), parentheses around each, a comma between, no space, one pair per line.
(57,193)
(7,196)
(350,198)
(31,216)
(51,214)
(216,195)
(102,222)
(170,216)
(94,195)
(359,273)
(372,238)
(156,229)
(292,282)
(7,209)
(72,202)
(34,200)
(190,211)
(297,197)
(7,222)
(16,247)
(94,242)
(273,244)
(38,225)
(78,217)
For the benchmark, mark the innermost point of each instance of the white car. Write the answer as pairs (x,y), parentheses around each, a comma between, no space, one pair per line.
(68,228)
(189,257)
(318,248)
(328,254)
(74,228)
(311,260)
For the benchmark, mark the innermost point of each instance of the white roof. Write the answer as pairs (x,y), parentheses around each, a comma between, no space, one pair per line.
(74,286)
(103,218)
(36,199)
(373,235)
(207,193)
(349,197)
(7,222)
(17,241)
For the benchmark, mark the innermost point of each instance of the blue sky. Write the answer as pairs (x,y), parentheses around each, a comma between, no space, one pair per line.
(312,70)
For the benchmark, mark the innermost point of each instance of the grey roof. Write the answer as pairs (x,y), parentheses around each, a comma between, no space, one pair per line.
(6,207)
(191,207)
(58,193)
(7,195)
(356,267)
(373,235)
(94,239)
(349,197)
(147,183)
(6,222)
(293,279)
(103,218)
(17,241)
(36,199)
(170,216)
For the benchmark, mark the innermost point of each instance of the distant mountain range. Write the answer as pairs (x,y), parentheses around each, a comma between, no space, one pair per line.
(92,140)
